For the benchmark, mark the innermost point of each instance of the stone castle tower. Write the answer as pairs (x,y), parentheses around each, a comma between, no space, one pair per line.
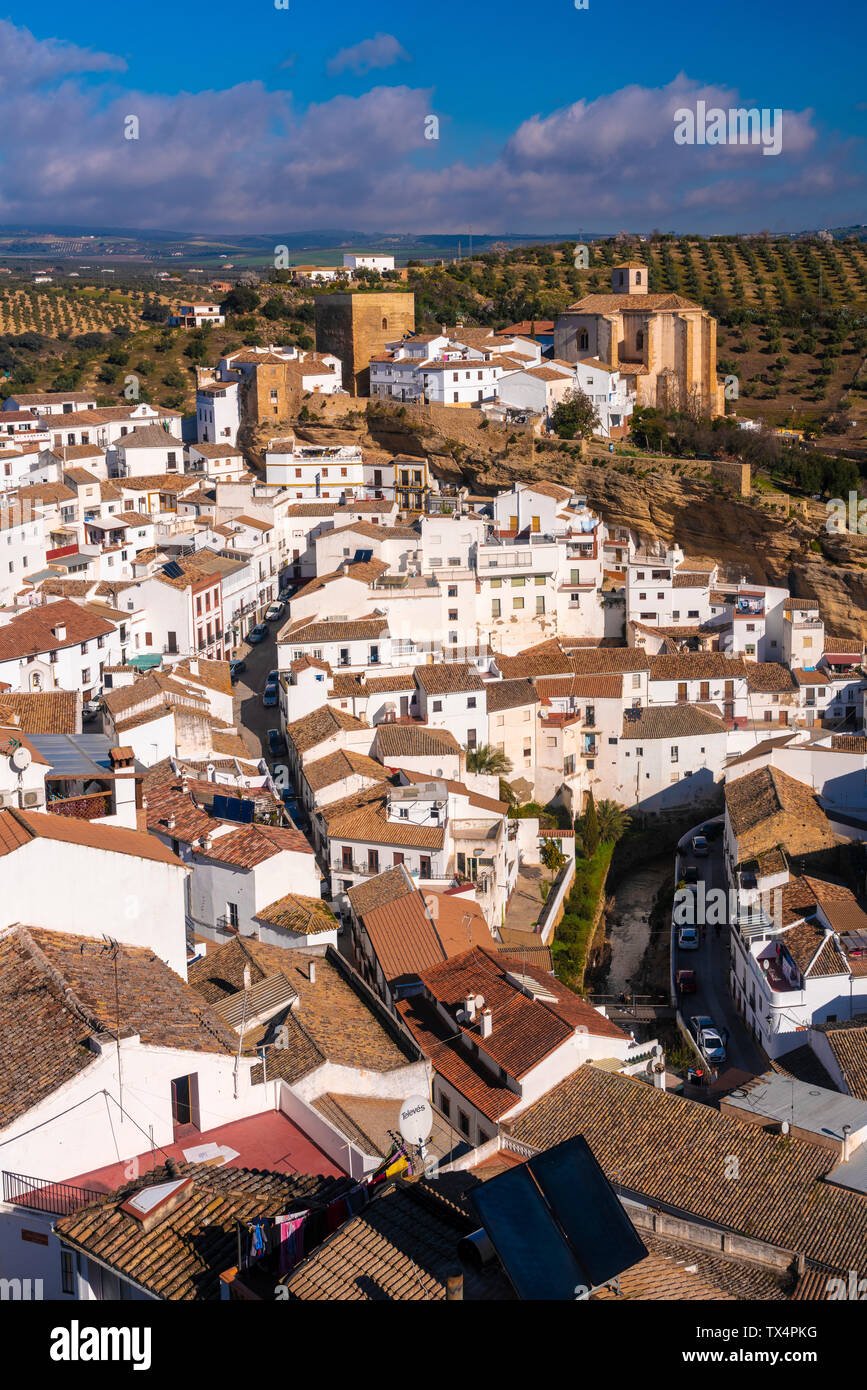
(356,325)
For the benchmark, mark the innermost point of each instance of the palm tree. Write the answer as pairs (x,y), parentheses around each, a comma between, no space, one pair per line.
(489,761)
(507,793)
(613,820)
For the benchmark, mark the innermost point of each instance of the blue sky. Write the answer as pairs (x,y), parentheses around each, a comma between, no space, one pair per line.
(254,118)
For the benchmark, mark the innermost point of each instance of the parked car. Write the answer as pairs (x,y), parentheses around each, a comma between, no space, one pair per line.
(270,696)
(258,633)
(90,709)
(687,938)
(296,811)
(700,846)
(686,981)
(274,611)
(690,874)
(707,1035)
(713,830)
(276,743)
(272,678)
(237,669)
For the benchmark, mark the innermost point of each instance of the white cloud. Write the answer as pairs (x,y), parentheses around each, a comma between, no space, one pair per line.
(382,51)
(250,159)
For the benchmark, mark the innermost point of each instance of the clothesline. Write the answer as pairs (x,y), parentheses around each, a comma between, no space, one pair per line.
(296,1234)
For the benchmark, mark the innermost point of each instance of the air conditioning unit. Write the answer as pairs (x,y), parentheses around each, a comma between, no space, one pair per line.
(6,799)
(31,798)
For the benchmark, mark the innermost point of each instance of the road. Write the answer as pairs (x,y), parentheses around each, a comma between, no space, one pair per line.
(253,720)
(711,965)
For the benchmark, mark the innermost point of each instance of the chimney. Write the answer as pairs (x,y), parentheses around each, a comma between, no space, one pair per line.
(248,978)
(486,1023)
(470,1006)
(311,972)
(455,1286)
(60,632)
(194,665)
(171,821)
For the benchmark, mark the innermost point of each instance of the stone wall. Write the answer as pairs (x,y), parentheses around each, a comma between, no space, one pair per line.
(356,326)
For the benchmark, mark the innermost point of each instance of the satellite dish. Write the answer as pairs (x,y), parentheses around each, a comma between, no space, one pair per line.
(416,1119)
(21,758)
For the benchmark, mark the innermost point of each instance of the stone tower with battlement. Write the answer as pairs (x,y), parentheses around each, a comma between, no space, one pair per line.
(354,326)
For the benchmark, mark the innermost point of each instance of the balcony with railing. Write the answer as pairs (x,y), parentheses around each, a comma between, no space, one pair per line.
(40,1194)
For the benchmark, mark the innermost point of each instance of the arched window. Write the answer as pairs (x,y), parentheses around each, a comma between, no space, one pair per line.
(36,681)
(385,323)
(583,340)
(638,277)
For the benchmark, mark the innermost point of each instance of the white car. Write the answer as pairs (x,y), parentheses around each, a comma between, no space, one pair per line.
(687,939)
(274,610)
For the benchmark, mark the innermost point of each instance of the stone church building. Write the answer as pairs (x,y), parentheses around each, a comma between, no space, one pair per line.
(662,344)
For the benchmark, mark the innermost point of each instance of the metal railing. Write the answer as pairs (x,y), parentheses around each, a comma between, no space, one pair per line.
(40,1194)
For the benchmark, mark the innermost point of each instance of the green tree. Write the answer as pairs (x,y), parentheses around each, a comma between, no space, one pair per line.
(552,857)
(613,820)
(575,417)
(240,300)
(588,828)
(507,793)
(489,761)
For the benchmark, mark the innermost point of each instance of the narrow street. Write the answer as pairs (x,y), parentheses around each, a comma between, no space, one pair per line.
(711,965)
(252,718)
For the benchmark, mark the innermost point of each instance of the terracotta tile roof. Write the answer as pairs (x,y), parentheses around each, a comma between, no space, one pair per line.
(384,888)
(587,687)
(768,807)
(403,936)
(44,712)
(217,451)
(813,950)
(414,741)
(148,687)
(623,303)
(780,1198)
(304,663)
(453,1063)
(149,437)
(374,531)
(693,666)
(251,845)
(337,1015)
(841,743)
(768,677)
(214,675)
(448,678)
(47,492)
(524,1029)
(848,1043)
(55,398)
(361,684)
(322,724)
(183,1256)
(366,821)
(31,633)
(364,572)
(670,721)
(811,677)
(309,630)
(57,991)
(510,694)
(484,803)
(402,1247)
(324,772)
(18,828)
(297,913)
